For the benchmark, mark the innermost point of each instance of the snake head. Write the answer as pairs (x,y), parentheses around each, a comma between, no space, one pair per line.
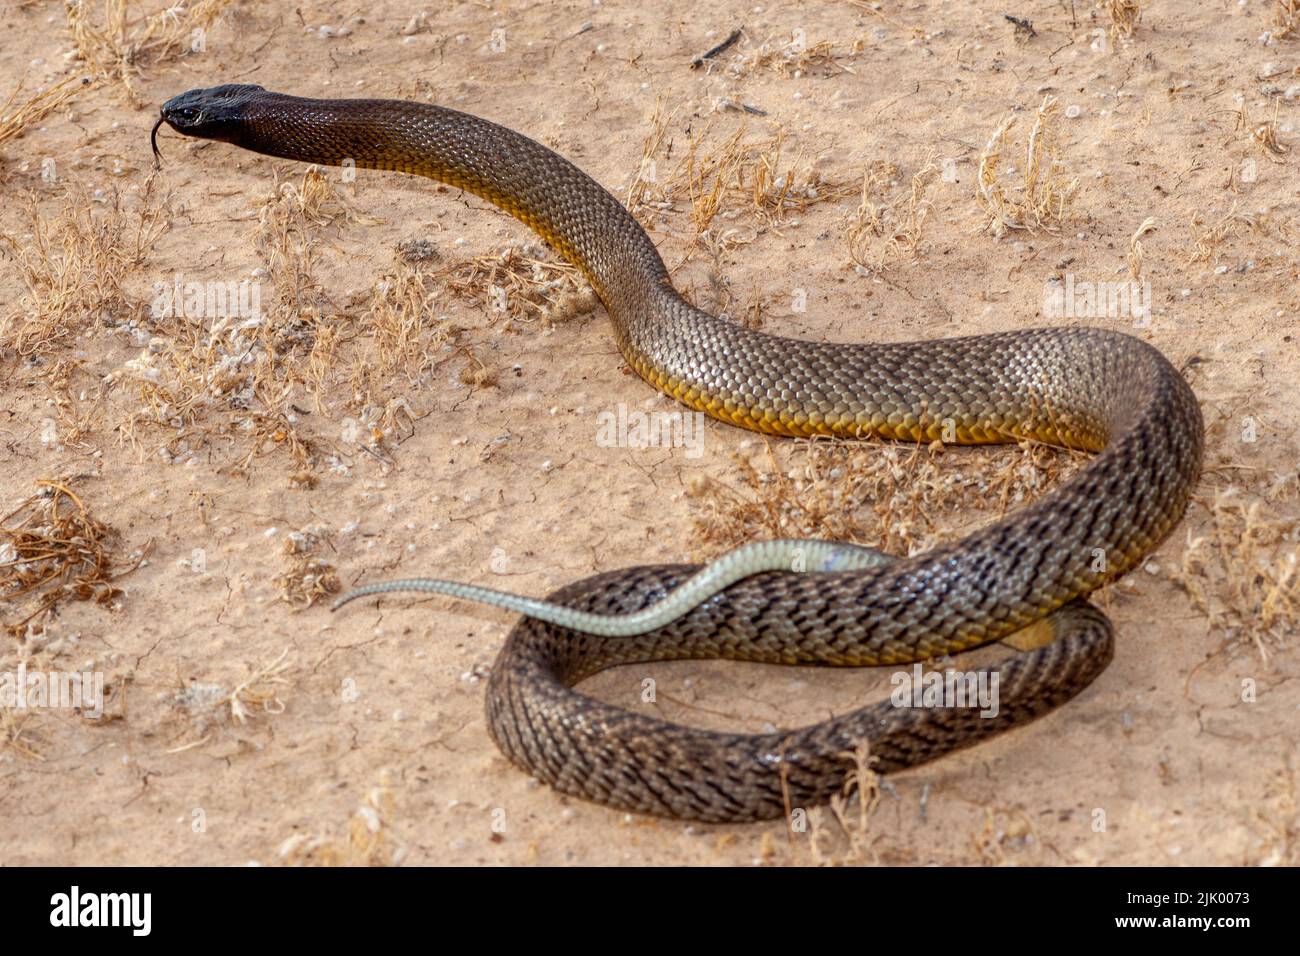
(217,112)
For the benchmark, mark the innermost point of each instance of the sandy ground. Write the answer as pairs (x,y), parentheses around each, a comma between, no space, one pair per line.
(364,738)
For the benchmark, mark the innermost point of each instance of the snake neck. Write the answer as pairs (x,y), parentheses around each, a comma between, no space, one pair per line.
(564,205)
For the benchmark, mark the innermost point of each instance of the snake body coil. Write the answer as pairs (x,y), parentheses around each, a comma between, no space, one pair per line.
(1084,388)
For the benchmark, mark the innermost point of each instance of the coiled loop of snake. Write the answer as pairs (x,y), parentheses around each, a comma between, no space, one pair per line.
(1094,389)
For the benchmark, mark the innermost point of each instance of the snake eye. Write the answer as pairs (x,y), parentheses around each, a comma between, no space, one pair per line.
(187,113)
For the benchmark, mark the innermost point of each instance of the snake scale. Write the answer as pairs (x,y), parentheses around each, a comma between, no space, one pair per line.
(1089,388)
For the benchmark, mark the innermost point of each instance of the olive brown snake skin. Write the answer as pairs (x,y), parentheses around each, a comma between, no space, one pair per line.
(1088,388)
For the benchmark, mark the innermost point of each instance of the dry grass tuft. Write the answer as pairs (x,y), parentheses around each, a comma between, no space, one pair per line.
(721,179)
(195,382)
(77,415)
(307,576)
(1276,821)
(52,549)
(73,264)
(1286,16)
(795,58)
(863,783)
(1124,16)
(852,810)
(209,706)
(476,373)
(230,364)
(1003,828)
(884,228)
(525,284)
(14,120)
(291,221)
(1263,134)
(260,690)
(645,188)
(119,42)
(1207,240)
(1243,573)
(1136,253)
(404,342)
(19,735)
(367,843)
(894,497)
(1043,198)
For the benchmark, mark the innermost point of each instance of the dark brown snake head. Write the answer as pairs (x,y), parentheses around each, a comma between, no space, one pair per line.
(217,112)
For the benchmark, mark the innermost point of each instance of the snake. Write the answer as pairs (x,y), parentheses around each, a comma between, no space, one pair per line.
(790,602)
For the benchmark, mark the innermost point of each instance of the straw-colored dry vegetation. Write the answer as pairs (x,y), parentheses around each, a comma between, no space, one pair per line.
(1003,829)
(307,577)
(1286,17)
(526,284)
(115,40)
(835,835)
(234,367)
(1136,252)
(405,345)
(795,57)
(292,219)
(368,841)
(730,183)
(19,735)
(16,115)
(1124,17)
(1043,196)
(901,499)
(1263,133)
(209,709)
(1210,239)
(74,262)
(1243,571)
(852,810)
(890,223)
